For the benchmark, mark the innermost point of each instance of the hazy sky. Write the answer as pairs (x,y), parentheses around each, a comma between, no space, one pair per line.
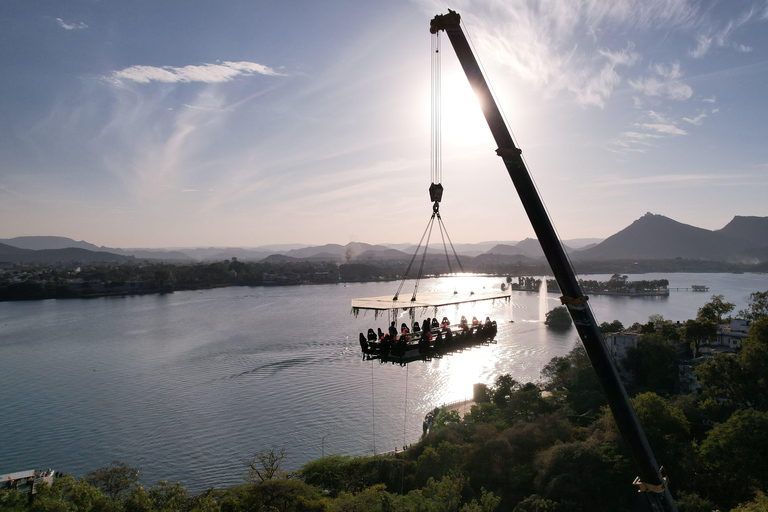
(188,123)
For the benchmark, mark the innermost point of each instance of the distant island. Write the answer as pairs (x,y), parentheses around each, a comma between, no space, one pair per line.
(617,285)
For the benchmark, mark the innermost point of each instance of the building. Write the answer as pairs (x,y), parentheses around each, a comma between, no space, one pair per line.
(731,335)
(619,343)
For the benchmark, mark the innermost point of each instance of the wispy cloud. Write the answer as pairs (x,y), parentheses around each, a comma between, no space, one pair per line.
(704,43)
(642,136)
(207,73)
(721,35)
(71,26)
(698,120)
(663,128)
(653,126)
(709,100)
(563,45)
(667,83)
(688,179)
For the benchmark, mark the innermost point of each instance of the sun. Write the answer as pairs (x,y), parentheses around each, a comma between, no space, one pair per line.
(463,121)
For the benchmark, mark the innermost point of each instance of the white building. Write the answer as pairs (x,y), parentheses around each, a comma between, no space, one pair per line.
(619,343)
(731,335)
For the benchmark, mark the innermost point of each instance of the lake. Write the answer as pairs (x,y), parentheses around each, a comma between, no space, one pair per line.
(190,384)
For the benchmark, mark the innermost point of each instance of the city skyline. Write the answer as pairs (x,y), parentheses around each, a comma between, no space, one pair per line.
(195,124)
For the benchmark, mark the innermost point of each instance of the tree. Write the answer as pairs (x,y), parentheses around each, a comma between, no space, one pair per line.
(714,310)
(739,382)
(265,465)
(608,328)
(505,386)
(665,426)
(697,332)
(114,480)
(759,504)
(574,376)
(650,362)
(734,454)
(758,306)
(558,319)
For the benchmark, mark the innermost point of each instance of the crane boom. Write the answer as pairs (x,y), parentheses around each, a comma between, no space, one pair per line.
(650,479)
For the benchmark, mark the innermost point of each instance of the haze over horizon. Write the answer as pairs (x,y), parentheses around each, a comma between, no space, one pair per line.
(191,124)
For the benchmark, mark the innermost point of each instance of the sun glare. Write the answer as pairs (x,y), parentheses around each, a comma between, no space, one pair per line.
(463,121)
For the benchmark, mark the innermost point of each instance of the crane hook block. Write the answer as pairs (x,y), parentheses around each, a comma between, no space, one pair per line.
(436,192)
(444,21)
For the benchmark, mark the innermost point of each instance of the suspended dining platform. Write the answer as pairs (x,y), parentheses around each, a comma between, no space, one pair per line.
(427,300)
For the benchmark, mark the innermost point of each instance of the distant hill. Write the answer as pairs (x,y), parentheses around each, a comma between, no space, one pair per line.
(154,254)
(36,243)
(347,252)
(386,254)
(529,247)
(68,255)
(461,249)
(501,259)
(505,250)
(752,230)
(279,258)
(9,251)
(659,237)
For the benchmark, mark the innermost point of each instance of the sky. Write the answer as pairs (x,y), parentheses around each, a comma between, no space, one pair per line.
(246,123)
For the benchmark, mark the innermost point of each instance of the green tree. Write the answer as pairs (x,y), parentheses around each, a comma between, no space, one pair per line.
(68,494)
(697,332)
(284,495)
(759,504)
(114,480)
(714,310)
(559,319)
(329,473)
(608,328)
(573,376)
(734,455)
(503,389)
(757,307)
(739,382)
(650,362)
(12,500)
(666,428)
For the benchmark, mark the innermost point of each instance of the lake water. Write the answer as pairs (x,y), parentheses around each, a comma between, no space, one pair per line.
(188,385)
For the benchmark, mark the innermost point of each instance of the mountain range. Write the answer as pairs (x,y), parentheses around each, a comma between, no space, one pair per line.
(651,237)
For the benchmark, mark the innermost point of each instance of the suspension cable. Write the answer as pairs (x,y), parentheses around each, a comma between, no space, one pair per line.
(440,220)
(416,253)
(437,164)
(424,256)
(445,248)
(373,410)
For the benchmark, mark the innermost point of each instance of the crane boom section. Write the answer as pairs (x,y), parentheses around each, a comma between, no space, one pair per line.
(573,297)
